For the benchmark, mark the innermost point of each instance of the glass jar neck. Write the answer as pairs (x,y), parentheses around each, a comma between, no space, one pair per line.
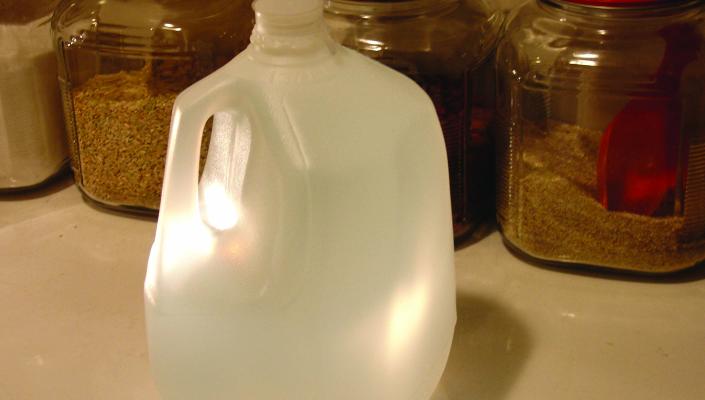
(19,12)
(657,9)
(387,8)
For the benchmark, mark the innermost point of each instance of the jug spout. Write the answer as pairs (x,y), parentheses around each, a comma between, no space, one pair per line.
(287,29)
(289,10)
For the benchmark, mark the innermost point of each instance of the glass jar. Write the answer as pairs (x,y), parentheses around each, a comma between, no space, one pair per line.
(32,140)
(122,64)
(601,155)
(446,47)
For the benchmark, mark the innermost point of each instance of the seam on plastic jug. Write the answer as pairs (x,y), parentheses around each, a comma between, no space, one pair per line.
(305,170)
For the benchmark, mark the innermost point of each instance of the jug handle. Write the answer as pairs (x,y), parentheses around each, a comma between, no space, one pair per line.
(191,111)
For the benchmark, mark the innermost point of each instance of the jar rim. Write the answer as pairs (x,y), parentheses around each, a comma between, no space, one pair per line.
(387,8)
(624,8)
(626,3)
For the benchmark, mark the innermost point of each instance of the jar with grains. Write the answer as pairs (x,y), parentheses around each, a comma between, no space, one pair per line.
(601,155)
(446,46)
(122,64)
(32,140)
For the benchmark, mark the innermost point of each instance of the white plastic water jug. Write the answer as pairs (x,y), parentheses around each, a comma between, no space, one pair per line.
(314,260)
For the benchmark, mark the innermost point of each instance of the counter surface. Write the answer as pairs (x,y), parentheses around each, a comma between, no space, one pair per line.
(72,322)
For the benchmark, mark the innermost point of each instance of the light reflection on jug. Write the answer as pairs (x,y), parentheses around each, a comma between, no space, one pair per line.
(221,189)
(408,310)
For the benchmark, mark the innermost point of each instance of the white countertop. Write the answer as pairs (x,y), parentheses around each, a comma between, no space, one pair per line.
(71,317)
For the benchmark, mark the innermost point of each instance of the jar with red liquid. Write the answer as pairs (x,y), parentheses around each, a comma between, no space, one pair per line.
(447,47)
(601,149)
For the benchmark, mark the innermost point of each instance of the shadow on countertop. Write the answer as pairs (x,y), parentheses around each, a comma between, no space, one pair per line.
(692,274)
(54,184)
(490,347)
(63,180)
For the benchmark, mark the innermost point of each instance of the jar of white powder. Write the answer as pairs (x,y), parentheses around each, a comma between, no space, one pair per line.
(32,141)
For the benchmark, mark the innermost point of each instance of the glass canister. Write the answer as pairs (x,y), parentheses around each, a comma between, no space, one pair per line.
(32,140)
(122,64)
(601,155)
(446,46)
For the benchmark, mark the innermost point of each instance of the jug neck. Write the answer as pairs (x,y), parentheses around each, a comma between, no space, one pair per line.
(280,38)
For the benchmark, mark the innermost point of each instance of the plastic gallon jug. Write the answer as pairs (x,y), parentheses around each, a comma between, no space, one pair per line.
(314,259)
